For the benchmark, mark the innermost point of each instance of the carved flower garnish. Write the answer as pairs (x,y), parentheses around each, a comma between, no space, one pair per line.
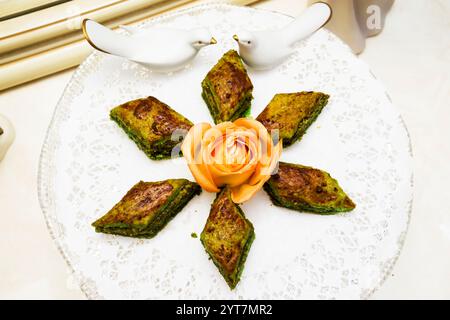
(240,154)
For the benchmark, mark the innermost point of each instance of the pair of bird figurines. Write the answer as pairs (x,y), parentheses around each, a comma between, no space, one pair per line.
(166,50)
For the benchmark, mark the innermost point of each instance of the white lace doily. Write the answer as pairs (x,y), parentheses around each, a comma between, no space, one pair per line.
(88,164)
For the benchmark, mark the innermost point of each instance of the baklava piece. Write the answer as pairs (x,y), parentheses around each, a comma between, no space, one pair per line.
(227,237)
(307,189)
(147,208)
(292,114)
(227,89)
(150,123)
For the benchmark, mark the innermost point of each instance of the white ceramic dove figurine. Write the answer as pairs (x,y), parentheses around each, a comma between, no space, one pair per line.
(161,50)
(266,49)
(7,136)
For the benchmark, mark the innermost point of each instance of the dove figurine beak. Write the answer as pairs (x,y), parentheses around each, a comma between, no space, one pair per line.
(236,38)
(213,41)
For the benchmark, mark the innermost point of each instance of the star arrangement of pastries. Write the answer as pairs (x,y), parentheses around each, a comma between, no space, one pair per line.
(235,158)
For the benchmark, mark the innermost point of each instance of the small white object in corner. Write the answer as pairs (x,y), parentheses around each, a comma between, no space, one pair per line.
(7,135)
(266,49)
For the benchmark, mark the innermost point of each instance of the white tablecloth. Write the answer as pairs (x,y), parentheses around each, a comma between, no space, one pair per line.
(411,57)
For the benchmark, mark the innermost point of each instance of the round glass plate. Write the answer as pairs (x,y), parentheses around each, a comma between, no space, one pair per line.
(88,164)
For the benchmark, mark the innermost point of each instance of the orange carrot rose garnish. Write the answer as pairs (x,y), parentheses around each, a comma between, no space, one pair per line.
(240,154)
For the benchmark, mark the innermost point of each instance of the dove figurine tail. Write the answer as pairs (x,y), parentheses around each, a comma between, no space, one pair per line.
(106,40)
(314,18)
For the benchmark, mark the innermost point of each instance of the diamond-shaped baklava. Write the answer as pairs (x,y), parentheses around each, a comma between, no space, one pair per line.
(147,208)
(227,89)
(307,189)
(227,237)
(153,125)
(292,114)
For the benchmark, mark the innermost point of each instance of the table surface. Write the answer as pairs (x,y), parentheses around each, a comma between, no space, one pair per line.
(411,57)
